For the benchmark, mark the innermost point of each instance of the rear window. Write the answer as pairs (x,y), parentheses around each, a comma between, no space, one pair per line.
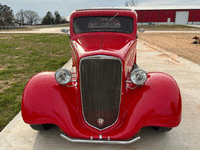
(103,24)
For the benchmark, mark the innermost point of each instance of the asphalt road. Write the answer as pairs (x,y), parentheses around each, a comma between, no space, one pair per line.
(19,136)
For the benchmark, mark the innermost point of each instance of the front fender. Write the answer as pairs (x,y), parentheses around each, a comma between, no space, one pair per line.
(45,101)
(159,101)
(156,103)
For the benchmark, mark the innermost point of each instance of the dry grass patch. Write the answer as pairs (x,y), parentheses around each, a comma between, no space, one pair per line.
(177,43)
(168,28)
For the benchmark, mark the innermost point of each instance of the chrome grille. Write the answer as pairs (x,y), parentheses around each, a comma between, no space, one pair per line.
(100,89)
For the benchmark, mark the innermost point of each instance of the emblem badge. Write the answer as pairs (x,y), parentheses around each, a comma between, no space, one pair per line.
(100,122)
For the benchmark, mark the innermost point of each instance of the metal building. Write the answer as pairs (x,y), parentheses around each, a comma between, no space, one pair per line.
(168,15)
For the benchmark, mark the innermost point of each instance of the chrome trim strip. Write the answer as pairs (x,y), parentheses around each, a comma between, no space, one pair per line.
(72,85)
(132,88)
(73,80)
(100,57)
(100,141)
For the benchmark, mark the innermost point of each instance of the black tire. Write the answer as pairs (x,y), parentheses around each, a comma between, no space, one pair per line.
(162,129)
(41,127)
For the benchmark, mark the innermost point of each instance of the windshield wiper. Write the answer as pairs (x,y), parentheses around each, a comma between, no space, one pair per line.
(112,18)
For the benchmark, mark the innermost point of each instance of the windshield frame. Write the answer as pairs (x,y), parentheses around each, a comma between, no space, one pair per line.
(111,29)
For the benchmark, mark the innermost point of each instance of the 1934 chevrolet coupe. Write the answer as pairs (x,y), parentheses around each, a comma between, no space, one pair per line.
(108,98)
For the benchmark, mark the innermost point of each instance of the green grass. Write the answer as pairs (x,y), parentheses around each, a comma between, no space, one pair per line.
(22,56)
(168,28)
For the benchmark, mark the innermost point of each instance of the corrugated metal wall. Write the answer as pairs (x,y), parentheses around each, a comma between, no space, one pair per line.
(161,16)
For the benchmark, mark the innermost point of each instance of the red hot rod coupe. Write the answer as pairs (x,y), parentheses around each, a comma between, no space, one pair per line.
(108,98)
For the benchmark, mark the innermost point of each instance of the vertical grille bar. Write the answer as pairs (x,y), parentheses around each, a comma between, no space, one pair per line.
(101,90)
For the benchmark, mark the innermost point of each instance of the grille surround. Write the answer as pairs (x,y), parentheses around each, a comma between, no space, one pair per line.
(101,57)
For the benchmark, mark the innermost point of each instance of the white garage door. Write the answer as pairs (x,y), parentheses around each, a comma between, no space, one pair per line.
(182,17)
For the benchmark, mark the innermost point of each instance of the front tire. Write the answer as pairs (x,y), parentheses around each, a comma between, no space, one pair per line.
(41,127)
(162,129)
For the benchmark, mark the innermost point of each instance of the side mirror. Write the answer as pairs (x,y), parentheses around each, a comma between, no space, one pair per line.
(66,31)
(141,30)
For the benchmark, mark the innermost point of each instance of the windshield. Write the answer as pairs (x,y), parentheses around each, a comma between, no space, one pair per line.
(103,24)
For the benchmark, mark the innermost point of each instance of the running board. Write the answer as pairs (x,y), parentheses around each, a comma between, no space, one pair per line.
(99,141)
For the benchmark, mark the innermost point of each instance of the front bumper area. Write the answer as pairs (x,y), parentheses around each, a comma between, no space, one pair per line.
(46,102)
(100,141)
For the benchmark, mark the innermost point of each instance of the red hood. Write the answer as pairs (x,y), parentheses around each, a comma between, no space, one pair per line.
(102,42)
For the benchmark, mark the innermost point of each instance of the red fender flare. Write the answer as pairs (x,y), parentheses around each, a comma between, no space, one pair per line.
(156,103)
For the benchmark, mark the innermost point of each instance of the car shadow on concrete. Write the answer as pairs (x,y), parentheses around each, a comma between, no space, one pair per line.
(51,140)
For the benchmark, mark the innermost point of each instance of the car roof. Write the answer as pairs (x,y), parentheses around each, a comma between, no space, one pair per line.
(98,11)
(105,8)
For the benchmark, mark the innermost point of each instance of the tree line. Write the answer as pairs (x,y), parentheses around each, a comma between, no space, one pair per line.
(56,19)
(27,17)
(6,15)
(31,17)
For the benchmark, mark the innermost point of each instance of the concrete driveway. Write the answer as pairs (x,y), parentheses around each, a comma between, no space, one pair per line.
(58,30)
(19,136)
(42,30)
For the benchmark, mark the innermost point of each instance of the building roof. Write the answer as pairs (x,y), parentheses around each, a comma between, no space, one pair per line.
(142,8)
(164,7)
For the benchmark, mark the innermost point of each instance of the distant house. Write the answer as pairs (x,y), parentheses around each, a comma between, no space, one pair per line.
(168,15)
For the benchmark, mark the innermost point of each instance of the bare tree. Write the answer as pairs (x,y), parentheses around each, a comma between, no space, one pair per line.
(131,3)
(20,17)
(31,16)
(126,4)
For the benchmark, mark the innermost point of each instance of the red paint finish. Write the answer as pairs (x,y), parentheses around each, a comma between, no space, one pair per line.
(103,41)
(196,15)
(167,14)
(163,15)
(155,15)
(117,45)
(156,103)
(150,16)
(140,15)
(191,15)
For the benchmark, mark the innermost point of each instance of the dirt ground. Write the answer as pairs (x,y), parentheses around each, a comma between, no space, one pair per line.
(177,43)
(168,28)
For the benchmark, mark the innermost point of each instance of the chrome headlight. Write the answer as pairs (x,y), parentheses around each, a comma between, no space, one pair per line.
(138,76)
(63,76)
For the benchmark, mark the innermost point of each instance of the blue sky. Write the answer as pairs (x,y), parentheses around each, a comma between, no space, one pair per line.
(65,7)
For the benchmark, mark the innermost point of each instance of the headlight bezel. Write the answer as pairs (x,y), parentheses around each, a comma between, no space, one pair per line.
(63,81)
(134,78)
